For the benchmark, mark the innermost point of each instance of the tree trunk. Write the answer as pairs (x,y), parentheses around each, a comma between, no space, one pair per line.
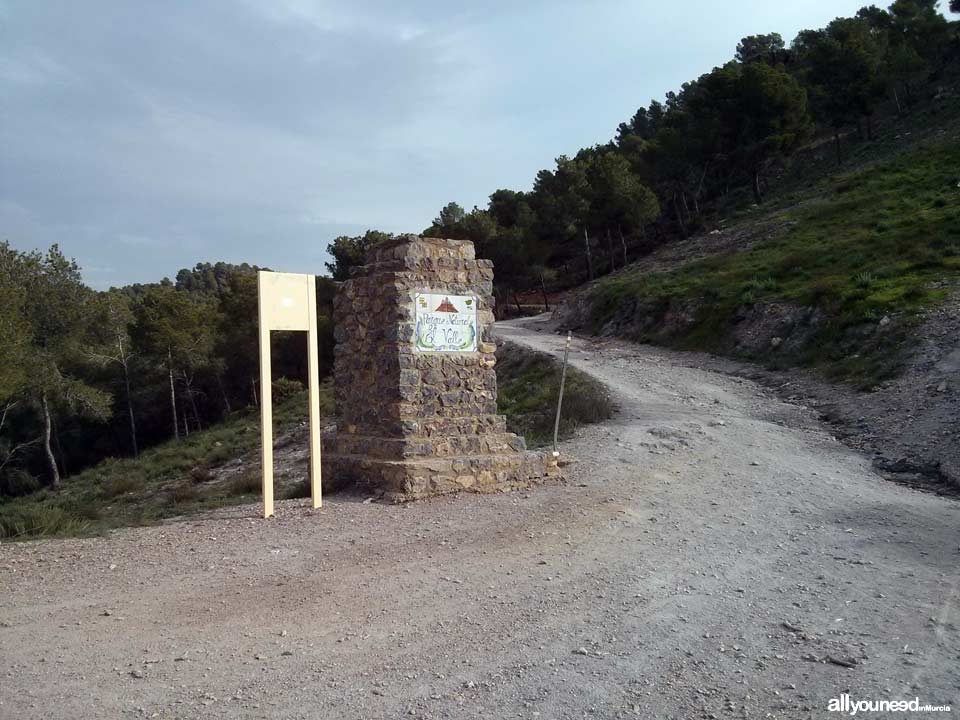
(253,387)
(192,397)
(58,447)
(186,424)
(133,421)
(613,265)
(896,99)
(516,301)
(586,245)
(173,394)
(696,196)
(47,449)
(8,406)
(836,139)
(676,209)
(543,289)
(623,243)
(223,393)
(757,191)
(193,406)
(686,208)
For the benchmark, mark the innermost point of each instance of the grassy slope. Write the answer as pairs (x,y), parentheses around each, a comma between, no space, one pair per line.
(176,479)
(168,480)
(528,384)
(875,242)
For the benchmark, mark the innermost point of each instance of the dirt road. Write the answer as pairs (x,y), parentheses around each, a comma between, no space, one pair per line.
(713,553)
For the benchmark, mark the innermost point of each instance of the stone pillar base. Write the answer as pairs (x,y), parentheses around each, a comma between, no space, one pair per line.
(414,379)
(415,478)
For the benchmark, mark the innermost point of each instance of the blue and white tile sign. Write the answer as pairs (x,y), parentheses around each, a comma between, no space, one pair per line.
(445,323)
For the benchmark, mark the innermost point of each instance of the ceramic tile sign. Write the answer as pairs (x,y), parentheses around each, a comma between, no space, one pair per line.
(445,323)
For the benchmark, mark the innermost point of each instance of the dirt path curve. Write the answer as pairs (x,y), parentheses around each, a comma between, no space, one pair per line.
(713,553)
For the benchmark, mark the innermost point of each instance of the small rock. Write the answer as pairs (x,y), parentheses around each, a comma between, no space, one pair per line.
(137,674)
(581,651)
(942,387)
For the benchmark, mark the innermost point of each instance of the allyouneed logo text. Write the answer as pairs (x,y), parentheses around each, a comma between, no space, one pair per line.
(845,704)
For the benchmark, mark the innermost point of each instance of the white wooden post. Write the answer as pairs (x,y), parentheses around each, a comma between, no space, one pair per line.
(266,401)
(287,301)
(313,368)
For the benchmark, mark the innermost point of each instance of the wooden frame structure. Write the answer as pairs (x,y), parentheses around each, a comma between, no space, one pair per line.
(287,301)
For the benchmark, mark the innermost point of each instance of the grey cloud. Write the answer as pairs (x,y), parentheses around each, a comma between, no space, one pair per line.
(146,136)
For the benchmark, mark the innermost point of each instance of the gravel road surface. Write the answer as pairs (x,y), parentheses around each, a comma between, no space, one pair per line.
(712,553)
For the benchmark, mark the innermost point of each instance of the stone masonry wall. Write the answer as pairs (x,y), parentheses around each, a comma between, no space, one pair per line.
(418,423)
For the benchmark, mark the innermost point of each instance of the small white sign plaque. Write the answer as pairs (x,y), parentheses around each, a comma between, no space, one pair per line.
(445,323)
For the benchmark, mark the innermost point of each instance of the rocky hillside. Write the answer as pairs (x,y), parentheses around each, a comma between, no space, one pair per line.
(853,277)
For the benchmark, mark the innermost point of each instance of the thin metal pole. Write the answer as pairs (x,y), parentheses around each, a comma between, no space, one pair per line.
(563,380)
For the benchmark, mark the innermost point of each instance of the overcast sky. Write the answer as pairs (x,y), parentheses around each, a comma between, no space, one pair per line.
(148,136)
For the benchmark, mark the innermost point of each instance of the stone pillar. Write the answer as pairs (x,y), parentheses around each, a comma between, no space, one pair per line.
(414,379)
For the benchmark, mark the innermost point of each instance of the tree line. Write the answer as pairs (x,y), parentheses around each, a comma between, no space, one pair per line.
(86,375)
(707,146)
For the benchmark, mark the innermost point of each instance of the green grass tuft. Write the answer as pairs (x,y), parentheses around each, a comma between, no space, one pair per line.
(31,520)
(528,383)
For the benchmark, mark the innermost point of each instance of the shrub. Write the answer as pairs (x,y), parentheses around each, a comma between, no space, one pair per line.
(298,490)
(246,483)
(200,474)
(219,454)
(117,485)
(825,290)
(183,493)
(284,388)
(16,482)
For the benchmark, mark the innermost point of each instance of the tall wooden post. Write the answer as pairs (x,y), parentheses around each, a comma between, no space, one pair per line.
(266,402)
(313,383)
(287,301)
